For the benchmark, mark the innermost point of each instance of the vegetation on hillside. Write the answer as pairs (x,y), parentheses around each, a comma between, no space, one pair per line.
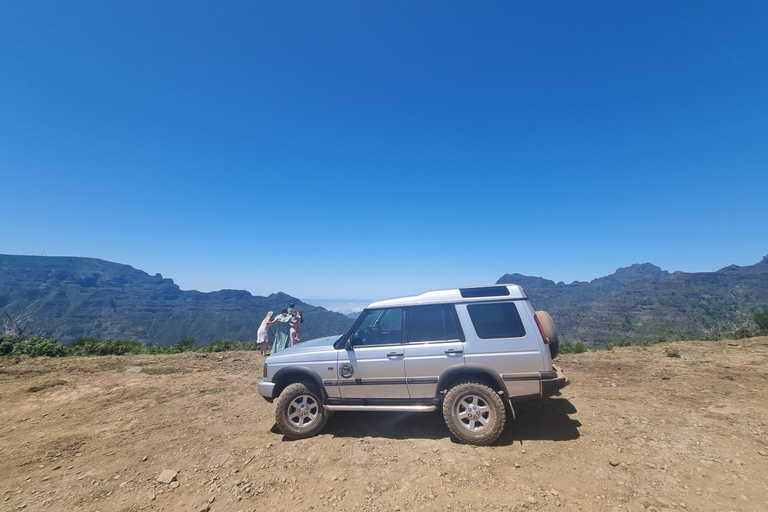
(17,345)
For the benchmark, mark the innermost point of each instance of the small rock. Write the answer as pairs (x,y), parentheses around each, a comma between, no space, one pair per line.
(211,499)
(517,466)
(651,465)
(57,467)
(613,463)
(174,484)
(761,452)
(167,476)
(134,369)
(144,459)
(204,508)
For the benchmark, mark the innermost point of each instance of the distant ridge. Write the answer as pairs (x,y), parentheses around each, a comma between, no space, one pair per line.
(643,301)
(70,297)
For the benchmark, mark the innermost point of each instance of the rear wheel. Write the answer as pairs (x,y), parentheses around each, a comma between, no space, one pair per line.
(299,411)
(474,413)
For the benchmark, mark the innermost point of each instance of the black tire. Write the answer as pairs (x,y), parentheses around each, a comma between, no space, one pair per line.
(554,348)
(299,411)
(474,413)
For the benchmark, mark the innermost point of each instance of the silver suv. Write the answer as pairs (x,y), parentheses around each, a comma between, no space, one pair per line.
(467,350)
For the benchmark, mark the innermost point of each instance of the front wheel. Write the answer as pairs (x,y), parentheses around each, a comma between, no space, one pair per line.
(474,413)
(299,411)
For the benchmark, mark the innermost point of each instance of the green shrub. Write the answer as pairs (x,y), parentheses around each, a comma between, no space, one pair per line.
(761,320)
(568,347)
(620,343)
(221,346)
(185,345)
(743,332)
(94,347)
(7,343)
(35,347)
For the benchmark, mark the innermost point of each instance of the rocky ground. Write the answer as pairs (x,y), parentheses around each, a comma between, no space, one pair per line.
(636,430)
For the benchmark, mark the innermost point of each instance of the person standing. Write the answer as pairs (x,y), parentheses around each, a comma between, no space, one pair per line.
(296,322)
(264,331)
(283,324)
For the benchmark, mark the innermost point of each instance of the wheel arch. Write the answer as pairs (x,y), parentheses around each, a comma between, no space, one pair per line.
(287,376)
(479,373)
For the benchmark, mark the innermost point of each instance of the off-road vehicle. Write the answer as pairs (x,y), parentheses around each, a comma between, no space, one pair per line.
(470,351)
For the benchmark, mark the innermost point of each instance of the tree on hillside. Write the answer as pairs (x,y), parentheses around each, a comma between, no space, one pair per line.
(16,327)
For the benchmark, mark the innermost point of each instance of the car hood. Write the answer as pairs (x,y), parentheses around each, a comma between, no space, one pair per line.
(308,347)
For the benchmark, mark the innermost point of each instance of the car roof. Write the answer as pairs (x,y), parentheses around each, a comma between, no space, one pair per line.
(468,294)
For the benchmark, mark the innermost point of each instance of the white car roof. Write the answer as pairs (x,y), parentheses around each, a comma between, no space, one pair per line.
(470,294)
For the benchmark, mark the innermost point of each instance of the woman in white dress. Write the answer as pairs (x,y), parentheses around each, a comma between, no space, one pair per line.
(262,336)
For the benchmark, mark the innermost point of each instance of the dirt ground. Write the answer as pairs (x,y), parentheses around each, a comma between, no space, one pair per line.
(636,430)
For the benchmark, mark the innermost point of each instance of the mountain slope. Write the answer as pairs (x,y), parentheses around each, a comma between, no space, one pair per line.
(67,297)
(643,301)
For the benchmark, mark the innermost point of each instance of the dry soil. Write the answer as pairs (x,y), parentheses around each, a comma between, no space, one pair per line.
(636,430)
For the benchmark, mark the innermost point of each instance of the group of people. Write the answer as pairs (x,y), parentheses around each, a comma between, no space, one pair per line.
(288,329)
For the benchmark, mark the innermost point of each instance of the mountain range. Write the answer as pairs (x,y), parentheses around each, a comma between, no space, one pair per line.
(67,298)
(70,297)
(643,301)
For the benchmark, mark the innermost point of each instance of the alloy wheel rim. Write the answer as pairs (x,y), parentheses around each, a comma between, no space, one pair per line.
(473,412)
(303,411)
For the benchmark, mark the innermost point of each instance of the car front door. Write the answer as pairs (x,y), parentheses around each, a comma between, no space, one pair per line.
(373,368)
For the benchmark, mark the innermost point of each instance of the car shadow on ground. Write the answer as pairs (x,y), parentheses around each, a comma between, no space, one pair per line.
(542,420)
(536,420)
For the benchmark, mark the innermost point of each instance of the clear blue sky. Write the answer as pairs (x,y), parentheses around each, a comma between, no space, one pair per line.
(375,149)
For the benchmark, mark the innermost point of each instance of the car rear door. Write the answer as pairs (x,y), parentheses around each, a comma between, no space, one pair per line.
(434,343)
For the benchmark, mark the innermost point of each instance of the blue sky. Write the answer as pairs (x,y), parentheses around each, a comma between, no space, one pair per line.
(376,149)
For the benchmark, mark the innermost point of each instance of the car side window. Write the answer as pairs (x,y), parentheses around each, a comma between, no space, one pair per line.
(380,327)
(431,323)
(496,320)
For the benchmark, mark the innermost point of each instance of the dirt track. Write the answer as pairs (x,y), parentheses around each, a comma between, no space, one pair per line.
(636,430)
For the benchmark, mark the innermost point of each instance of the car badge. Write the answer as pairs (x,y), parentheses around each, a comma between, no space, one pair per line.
(346,370)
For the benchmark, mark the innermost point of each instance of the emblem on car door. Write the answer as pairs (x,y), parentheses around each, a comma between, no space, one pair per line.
(346,370)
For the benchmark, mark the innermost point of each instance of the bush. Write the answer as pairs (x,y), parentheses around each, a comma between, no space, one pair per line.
(35,347)
(6,344)
(761,320)
(568,347)
(221,346)
(621,343)
(743,332)
(185,345)
(94,347)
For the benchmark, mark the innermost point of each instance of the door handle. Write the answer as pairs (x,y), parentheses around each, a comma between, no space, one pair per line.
(395,354)
(451,352)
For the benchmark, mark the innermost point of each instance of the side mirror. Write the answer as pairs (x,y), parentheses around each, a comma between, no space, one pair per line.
(348,343)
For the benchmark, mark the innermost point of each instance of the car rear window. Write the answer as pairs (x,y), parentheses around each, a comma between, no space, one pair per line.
(496,320)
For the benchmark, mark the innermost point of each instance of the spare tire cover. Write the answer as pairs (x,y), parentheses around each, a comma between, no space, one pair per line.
(548,325)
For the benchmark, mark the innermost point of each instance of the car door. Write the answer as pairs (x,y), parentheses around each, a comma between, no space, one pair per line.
(434,343)
(373,368)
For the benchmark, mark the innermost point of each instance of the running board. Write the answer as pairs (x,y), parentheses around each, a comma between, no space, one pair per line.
(383,408)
